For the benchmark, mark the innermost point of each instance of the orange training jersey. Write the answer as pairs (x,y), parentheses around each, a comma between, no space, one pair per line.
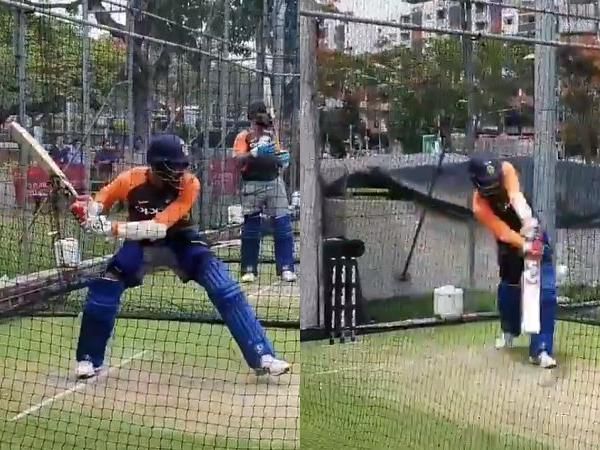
(500,217)
(146,201)
(259,168)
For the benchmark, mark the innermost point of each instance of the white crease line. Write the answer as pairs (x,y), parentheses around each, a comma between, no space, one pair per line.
(78,387)
(227,244)
(344,369)
(264,289)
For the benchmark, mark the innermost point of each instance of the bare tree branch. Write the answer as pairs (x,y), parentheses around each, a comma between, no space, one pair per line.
(103,17)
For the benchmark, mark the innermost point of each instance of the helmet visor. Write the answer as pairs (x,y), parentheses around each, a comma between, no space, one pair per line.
(170,172)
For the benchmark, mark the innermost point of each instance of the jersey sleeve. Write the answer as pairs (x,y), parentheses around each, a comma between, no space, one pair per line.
(182,206)
(118,189)
(240,145)
(501,231)
(511,179)
(513,189)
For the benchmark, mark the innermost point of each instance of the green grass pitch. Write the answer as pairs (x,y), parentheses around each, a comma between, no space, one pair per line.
(449,388)
(168,384)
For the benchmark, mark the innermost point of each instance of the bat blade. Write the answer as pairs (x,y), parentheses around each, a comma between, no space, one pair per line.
(26,141)
(269,103)
(530,302)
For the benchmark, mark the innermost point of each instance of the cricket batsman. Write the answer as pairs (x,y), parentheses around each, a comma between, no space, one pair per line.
(501,207)
(263,192)
(159,233)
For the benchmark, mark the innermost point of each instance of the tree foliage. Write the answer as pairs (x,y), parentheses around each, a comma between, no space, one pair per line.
(54,51)
(54,69)
(421,86)
(580,88)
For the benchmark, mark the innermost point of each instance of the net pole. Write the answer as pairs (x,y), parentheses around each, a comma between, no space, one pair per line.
(310,194)
(86,150)
(130,104)
(21,57)
(545,150)
(467,47)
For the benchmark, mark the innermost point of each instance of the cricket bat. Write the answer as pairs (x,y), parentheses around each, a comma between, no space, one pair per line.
(269,103)
(530,297)
(27,142)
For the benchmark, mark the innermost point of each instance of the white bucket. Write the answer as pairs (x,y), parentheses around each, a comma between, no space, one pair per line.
(448,302)
(234,215)
(66,253)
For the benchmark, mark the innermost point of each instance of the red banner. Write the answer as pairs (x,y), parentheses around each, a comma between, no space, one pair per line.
(38,182)
(224,177)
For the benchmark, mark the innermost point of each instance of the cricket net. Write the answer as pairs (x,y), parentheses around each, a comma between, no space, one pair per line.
(94,94)
(390,360)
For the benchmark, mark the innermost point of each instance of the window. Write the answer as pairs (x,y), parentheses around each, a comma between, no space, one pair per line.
(479,8)
(441,14)
(405,36)
(480,26)
(405,19)
(509,20)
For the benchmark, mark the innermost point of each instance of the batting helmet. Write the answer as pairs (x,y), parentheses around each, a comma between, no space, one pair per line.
(257,112)
(486,175)
(168,157)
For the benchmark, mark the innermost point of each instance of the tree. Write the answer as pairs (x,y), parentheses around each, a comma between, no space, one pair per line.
(580,70)
(152,62)
(422,85)
(54,65)
(338,126)
(501,70)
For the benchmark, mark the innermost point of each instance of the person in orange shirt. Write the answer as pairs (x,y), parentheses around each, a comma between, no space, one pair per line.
(263,192)
(159,232)
(500,206)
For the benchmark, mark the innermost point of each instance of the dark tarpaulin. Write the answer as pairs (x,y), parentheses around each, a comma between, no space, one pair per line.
(577,188)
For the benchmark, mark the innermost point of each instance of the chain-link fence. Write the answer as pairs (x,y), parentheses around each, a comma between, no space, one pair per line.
(405,93)
(94,82)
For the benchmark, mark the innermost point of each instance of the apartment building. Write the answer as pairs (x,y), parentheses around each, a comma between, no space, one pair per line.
(358,38)
(445,14)
(570,21)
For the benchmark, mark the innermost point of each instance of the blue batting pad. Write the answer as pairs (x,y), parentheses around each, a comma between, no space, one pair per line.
(548,304)
(251,235)
(235,310)
(283,237)
(98,320)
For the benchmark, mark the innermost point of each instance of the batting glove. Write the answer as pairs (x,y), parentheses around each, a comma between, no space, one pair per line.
(530,229)
(84,207)
(263,150)
(284,159)
(533,249)
(98,225)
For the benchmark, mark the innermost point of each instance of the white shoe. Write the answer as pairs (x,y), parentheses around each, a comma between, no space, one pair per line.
(248,278)
(273,366)
(544,360)
(288,276)
(505,341)
(85,369)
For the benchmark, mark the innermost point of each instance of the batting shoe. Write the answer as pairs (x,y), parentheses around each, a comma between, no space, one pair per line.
(544,360)
(506,340)
(272,366)
(248,278)
(288,276)
(85,369)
